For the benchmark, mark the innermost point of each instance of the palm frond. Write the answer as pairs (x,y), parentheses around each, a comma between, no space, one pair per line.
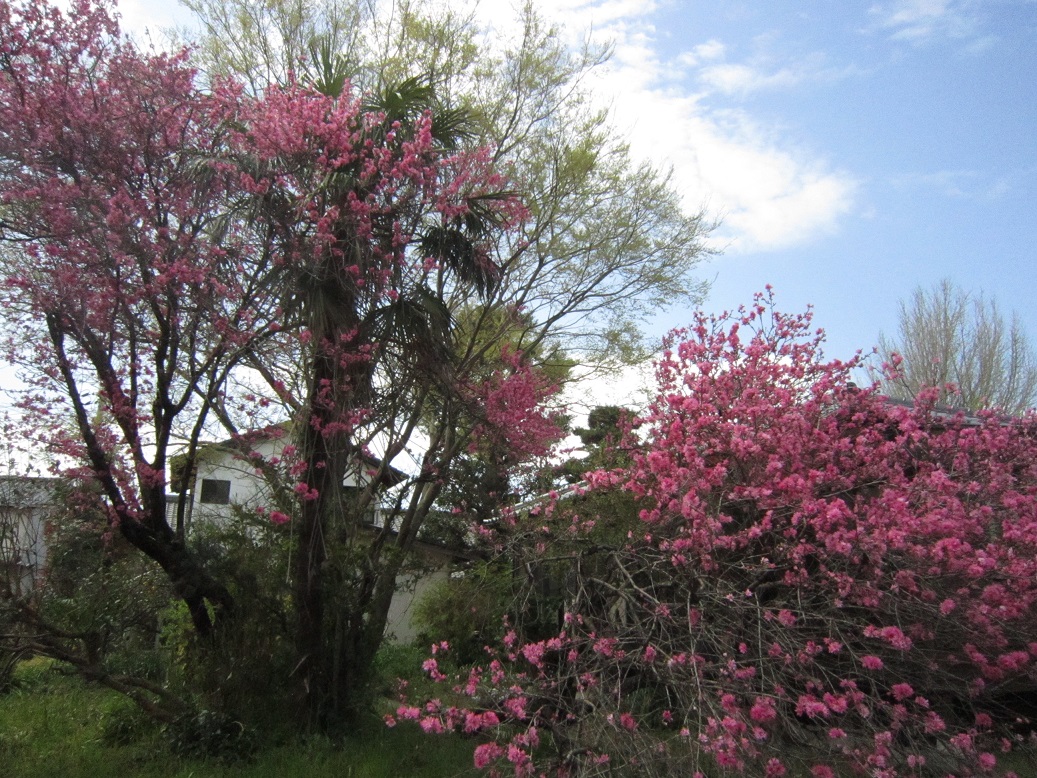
(406,100)
(454,248)
(421,321)
(331,69)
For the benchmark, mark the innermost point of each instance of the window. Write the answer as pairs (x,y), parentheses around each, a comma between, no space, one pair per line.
(215,492)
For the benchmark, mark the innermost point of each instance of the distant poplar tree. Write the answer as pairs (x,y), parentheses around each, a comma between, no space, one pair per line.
(949,337)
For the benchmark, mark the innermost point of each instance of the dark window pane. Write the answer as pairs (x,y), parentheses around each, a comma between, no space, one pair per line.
(215,492)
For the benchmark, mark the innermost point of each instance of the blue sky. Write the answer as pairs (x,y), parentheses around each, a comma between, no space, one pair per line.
(853,150)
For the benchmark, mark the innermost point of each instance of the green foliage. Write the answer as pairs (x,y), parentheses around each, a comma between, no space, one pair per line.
(211,735)
(397,664)
(58,728)
(606,441)
(605,426)
(243,670)
(11,653)
(467,611)
(101,591)
(36,675)
(123,722)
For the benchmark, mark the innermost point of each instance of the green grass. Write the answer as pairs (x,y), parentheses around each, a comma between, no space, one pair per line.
(56,725)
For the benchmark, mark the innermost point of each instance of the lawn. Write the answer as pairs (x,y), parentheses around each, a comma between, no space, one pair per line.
(54,724)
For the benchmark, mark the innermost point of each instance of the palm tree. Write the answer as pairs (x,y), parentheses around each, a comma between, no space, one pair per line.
(379,354)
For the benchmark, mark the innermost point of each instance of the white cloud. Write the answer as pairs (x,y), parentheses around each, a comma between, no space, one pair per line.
(760,73)
(958,184)
(769,194)
(738,78)
(703,52)
(629,386)
(921,21)
(151,19)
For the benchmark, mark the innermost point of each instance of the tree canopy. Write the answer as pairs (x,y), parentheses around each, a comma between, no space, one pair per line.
(607,240)
(193,259)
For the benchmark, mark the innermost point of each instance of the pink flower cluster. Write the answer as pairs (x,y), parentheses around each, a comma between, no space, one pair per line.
(810,563)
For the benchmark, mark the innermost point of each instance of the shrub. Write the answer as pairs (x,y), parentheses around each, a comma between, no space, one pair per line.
(212,735)
(467,610)
(101,590)
(821,581)
(123,722)
(243,670)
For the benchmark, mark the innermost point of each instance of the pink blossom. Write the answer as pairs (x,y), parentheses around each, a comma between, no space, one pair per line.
(534,653)
(517,755)
(871,662)
(902,691)
(803,545)
(516,706)
(486,753)
(408,712)
(763,710)
(810,706)
(431,666)
(432,725)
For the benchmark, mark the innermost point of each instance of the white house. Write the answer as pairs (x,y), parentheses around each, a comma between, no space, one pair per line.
(226,478)
(26,506)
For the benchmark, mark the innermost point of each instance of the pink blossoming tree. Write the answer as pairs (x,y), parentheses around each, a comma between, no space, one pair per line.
(819,581)
(178,260)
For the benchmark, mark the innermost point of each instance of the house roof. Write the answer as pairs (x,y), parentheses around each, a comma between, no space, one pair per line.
(21,491)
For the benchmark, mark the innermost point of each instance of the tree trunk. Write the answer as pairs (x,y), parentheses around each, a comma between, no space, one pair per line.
(191,581)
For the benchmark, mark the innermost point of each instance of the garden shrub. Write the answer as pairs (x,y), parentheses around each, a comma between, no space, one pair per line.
(244,670)
(822,582)
(211,735)
(467,610)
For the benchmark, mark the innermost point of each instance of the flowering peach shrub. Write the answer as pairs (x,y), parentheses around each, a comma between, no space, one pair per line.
(821,583)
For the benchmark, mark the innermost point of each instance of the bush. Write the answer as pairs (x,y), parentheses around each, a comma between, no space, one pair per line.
(467,611)
(212,735)
(244,669)
(821,581)
(99,588)
(123,722)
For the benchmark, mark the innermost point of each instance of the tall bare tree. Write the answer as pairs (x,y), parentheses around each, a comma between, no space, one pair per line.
(961,343)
